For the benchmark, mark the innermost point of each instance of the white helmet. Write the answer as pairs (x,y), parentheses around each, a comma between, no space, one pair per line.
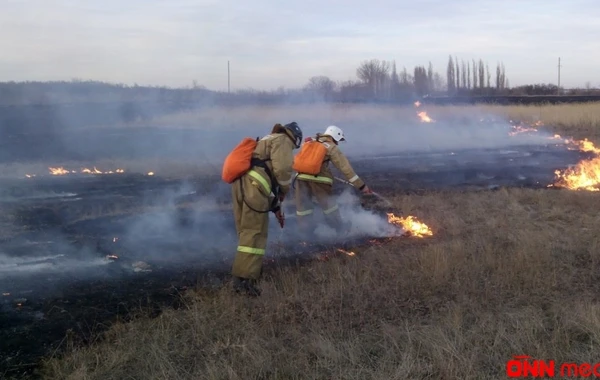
(336,133)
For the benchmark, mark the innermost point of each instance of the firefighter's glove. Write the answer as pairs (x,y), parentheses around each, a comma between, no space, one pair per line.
(280,217)
(276,209)
(367,190)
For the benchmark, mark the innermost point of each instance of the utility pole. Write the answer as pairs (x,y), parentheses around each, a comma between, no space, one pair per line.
(228,78)
(558,90)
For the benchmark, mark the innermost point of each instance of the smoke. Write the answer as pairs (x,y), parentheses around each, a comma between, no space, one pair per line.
(191,224)
(150,131)
(199,231)
(38,262)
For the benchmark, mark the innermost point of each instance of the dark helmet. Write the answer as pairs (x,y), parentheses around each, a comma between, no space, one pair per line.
(296,132)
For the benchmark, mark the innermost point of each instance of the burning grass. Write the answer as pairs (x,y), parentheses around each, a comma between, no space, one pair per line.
(516,272)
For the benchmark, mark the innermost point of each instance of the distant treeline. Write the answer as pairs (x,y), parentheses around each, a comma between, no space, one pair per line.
(377,81)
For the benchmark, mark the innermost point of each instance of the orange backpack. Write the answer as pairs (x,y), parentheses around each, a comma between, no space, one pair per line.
(239,160)
(310,158)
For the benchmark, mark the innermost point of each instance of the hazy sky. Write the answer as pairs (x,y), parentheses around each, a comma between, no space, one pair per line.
(273,43)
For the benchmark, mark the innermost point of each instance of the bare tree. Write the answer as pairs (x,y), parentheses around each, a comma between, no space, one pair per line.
(321,85)
(498,76)
(488,76)
(395,82)
(457,73)
(481,74)
(430,76)
(420,81)
(464,74)
(451,81)
(474,74)
(469,75)
(374,73)
(438,82)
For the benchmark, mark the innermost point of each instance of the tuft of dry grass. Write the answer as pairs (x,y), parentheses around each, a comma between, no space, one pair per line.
(516,272)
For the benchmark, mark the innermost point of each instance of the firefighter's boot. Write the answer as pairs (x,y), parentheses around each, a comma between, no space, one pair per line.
(246,286)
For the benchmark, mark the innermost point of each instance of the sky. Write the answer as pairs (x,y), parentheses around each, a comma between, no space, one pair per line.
(273,43)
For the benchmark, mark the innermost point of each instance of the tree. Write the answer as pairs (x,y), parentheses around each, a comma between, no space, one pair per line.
(321,85)
(451,79)
(498,76)
(430,76)
(474,74)
(374,73)
(469,75)
(481,74)
(464,74)
(420,81)
(457,73)
(438,82)
(395,82)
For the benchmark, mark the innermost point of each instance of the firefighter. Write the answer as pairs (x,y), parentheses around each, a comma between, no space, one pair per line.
(258,192)
(315,180)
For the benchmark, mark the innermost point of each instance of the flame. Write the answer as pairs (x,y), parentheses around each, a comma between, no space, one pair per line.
(58,171)
(115,239)
(411,225)
(6,294)
(150,173)
(517,129)
(583,176)
(63,171)
(586,145)
(349,253)
(112,257)
(424,118)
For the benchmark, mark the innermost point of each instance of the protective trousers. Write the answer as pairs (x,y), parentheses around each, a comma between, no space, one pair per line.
(252,227)
(322,192)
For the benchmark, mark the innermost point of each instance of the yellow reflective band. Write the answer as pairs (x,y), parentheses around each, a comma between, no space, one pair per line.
(303,213)
(256,251)
(330,210)
(309,177)
(353,178)
(256,175)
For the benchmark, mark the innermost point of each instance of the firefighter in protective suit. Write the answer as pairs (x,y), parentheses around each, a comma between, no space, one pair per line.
(255,194)
(320,185)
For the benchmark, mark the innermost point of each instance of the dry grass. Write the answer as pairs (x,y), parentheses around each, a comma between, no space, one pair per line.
(583,120)
(513,273)
(510,272)
(576,120)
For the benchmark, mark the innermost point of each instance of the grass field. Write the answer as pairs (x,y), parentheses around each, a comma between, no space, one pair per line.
(512,272)
(580,120)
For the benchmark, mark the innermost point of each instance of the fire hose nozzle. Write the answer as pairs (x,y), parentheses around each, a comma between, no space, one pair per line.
(372,192)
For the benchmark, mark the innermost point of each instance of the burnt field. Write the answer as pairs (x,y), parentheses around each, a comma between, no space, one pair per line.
(78,250)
